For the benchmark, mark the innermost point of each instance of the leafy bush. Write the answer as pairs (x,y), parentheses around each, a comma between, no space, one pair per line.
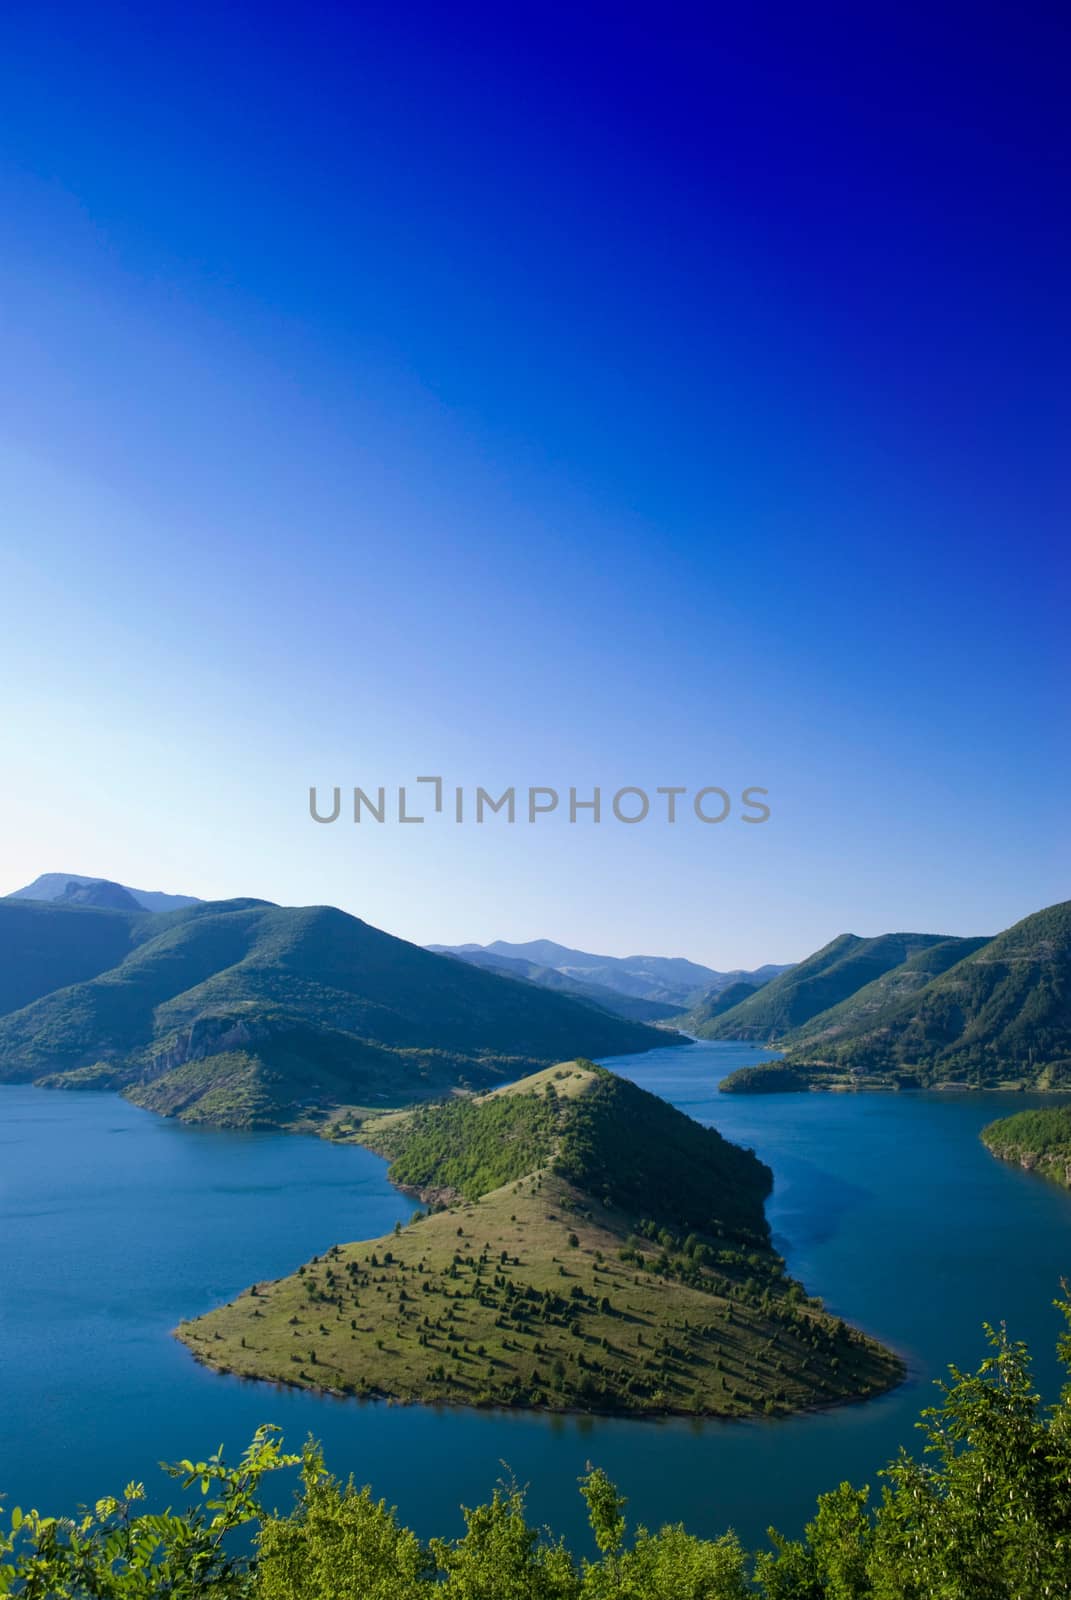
(473,1146)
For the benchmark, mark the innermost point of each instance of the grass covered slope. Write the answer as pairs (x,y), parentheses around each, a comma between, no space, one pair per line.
(1040,1141)
(840,969)
(598,1250)
(1001,1015)
(251,1014)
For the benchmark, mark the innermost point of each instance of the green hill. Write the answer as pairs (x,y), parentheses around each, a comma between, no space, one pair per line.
(868,1006)
(1040,1141)
(840,969)
(1001,1015)
(251,1014)
(593,1248)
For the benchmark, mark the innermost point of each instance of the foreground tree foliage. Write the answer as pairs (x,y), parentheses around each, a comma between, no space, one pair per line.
(985,1515)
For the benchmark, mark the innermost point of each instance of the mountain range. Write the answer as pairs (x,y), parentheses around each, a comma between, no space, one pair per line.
(670,983)
(249,1013)
(915,1009)
(245,1013)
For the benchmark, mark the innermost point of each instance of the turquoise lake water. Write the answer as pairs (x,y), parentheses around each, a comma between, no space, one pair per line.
(117,1223)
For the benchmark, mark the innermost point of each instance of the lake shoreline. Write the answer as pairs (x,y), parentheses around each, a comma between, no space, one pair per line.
(618,1414)
(859,1182)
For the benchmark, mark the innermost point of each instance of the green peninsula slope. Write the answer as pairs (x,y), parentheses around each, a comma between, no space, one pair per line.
(1040,1141)
(595,1249)
(246,1014)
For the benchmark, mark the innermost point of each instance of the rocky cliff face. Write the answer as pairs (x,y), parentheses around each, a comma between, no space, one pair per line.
(1052,1164)
(208,1036)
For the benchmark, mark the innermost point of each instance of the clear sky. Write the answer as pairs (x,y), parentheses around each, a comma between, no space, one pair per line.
(549,396)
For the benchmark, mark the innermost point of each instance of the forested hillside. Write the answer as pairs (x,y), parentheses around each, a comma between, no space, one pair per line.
(249,1014)
(831,975)
(1001,1015)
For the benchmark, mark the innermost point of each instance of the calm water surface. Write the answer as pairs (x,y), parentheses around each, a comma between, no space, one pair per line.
(116,1224)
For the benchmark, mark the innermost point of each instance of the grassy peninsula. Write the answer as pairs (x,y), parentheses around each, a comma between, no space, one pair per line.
(593,1248)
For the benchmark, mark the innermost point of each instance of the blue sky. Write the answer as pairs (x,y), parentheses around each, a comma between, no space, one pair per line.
(540,399)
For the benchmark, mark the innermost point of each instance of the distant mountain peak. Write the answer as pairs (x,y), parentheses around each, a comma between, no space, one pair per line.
(99,892)
(56,886)
(671,982)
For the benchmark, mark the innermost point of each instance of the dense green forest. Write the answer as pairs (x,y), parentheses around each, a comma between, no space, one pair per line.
(869,1007)
(767,1078)
(716,1004)
(48,947)
(471,1146)
(984,1515)
(611,1139)
(1000,1016)
(635,1152)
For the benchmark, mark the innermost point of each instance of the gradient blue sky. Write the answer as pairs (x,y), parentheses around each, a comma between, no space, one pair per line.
(541,395)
